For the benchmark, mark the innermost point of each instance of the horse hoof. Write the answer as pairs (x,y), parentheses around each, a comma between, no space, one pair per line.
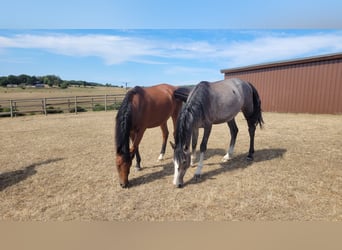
(249,158)
(161,157)
(137,168)
(225,159)
(197,177)
(179,185)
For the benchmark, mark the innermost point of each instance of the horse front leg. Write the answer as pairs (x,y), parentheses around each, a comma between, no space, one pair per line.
(194,139)
(203,148)
(165,132)
(233,134)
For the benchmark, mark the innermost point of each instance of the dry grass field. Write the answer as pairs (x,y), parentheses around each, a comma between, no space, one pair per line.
(48,100)
(61,168)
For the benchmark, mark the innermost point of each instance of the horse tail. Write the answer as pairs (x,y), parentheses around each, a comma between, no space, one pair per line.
(256,116)
(124,124)
(182,93)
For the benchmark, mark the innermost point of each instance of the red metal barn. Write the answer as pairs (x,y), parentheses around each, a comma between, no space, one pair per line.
(308,85)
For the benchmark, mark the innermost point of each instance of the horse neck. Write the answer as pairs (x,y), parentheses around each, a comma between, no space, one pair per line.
(194,113)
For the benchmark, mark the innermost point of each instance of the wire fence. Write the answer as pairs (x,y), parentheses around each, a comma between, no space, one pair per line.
(54,105)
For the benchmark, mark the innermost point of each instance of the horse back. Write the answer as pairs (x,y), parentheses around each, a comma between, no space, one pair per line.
(154,105)
(228,98)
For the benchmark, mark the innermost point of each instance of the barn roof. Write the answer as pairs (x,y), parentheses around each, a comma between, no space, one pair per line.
(320,58)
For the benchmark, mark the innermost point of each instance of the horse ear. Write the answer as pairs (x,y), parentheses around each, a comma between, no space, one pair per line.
(172,145)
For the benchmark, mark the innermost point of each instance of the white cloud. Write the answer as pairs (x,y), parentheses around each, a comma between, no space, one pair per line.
(119,49)
(113,49)
(272,48)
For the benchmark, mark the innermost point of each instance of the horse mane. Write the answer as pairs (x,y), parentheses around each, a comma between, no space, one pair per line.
(182,93)
(194,110)
(124,123)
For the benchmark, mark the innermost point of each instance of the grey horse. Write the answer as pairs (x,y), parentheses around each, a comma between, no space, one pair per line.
(211,103)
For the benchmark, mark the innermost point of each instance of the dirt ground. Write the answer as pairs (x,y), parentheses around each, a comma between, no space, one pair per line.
(62,167)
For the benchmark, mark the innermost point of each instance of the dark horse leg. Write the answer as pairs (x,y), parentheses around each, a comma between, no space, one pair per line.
(203,148)
(137,154)
(233,134)
(251,130)
(136,138)
(165,132)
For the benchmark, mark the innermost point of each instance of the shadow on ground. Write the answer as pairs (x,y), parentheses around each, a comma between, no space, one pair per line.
(237,162)
(11,178)
(240,162)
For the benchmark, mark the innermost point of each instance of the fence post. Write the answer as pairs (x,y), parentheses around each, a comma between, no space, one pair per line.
(106,102)
(75,105)
(11,107)
(44,106)
(15,109)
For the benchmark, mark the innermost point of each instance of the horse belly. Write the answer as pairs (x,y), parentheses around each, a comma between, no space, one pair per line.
(225,110)
(158,115)
(224,119)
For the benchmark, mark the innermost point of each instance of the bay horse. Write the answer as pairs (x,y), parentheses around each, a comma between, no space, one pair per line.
(143,108)
(208,104)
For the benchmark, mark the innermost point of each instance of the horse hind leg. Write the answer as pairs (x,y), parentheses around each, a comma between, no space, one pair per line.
(233,134)
(252,123)
(251,130)
(165,132)
(137,154)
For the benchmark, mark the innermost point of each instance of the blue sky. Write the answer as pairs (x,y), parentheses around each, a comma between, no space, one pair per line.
(151,41)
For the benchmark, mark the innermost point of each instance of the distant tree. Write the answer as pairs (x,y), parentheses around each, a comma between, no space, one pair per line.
(34,80)
(47,81)
(52,80)
(4,81)
(13,80)
(64,85)
(24,79)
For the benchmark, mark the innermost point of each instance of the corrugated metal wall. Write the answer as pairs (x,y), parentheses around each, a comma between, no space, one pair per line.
(314,87)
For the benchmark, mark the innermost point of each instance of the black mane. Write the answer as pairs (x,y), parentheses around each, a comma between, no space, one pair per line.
(124,123)
(182,93)
(195,110)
